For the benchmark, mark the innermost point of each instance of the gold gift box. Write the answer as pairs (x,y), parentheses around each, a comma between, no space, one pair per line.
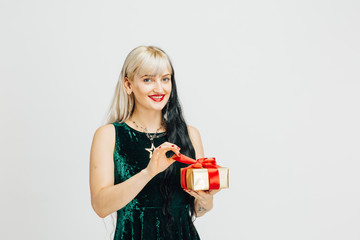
(198,178)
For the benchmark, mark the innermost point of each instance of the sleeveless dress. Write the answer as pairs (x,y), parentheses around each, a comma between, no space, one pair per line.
(142,218)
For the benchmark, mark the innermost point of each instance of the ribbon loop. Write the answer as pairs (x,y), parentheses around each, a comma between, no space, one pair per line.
(209,163)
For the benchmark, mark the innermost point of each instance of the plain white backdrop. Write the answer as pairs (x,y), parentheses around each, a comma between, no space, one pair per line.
(272,86)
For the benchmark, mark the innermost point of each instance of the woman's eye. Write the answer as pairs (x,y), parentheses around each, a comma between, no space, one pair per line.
(166,79)
(147,80)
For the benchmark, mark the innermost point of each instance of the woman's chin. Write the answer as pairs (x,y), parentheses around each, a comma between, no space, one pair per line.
(156,108)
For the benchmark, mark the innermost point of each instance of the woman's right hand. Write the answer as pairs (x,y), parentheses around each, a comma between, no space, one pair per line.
(159,162)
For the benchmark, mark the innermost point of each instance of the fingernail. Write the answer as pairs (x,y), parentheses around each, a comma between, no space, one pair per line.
(178,148)
(172,145)
(160,147)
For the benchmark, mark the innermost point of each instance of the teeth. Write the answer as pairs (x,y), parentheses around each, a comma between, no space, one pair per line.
(156,97)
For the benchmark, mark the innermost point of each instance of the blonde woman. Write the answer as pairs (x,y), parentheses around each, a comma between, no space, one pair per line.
(132,171)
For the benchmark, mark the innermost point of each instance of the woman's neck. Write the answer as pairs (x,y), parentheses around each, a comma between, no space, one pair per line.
(148,119)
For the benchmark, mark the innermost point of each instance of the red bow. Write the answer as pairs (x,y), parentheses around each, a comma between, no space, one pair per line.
(209,163)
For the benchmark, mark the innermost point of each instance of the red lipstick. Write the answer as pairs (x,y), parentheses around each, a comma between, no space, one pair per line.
(157,98)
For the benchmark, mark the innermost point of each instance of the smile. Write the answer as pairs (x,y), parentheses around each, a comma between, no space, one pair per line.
(157,98)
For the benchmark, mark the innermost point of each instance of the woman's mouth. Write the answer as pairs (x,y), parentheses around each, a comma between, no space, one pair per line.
(157,98)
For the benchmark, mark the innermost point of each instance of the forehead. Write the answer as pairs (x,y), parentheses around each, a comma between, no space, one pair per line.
(154,67)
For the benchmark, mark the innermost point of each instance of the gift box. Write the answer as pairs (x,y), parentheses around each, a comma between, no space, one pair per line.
(198,178)
(202,174)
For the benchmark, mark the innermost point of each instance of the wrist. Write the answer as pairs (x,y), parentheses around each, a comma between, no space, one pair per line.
(147,173)
(203,206)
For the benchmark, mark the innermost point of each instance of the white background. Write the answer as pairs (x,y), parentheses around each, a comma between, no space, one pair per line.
(272,86)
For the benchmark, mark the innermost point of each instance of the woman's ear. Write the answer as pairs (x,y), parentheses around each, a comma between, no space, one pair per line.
(127,85)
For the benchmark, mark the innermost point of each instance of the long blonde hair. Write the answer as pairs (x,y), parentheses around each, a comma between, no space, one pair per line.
(140,59)
(149,59)
(152,60)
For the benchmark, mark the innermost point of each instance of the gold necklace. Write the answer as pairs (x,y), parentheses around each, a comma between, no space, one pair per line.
(151,138)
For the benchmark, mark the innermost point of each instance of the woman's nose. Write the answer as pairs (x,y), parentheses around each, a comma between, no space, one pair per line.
(158,85)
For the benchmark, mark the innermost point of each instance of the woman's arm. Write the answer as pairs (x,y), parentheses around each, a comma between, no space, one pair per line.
(203,199)
(106,197)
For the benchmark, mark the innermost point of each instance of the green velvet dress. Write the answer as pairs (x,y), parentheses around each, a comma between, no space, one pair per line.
(142,218)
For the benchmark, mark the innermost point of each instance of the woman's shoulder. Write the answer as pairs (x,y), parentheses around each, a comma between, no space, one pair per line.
(104,139)
(105,131)
(107,126)
(193,131)
(195,138)
(111,132)
(111,128)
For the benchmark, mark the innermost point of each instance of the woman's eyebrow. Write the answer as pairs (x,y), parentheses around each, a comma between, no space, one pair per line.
(146,75)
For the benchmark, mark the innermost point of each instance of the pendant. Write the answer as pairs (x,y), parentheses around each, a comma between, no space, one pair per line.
(150,150)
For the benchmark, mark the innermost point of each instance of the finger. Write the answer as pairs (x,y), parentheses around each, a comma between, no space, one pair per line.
(198,195)
(188,192)
(192,193)
(170,160)
(213,192)
(170,144)
(204,194)
(166,146)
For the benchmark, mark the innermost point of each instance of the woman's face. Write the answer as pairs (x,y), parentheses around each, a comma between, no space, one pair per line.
(150,91)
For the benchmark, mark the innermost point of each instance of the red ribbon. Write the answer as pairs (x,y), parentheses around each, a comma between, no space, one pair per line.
(209,163)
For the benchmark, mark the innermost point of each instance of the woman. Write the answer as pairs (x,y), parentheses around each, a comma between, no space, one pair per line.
(132,171)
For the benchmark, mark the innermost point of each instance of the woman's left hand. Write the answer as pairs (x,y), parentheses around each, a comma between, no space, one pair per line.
(203,200)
